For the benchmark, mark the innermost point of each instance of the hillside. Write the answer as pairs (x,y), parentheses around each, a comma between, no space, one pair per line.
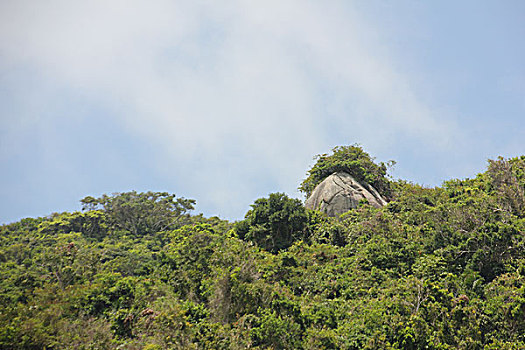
(435,268)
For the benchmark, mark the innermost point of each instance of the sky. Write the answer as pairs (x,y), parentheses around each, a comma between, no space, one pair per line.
(226,102)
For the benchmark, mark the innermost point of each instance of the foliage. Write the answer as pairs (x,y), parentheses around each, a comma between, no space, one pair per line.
(142,213)
(273,223)
(436,268)
(352,160)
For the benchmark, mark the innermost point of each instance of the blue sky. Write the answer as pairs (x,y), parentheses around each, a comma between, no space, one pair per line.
(228,102)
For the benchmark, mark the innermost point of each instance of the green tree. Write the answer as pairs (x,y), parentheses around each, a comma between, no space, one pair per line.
(507,180)
(274,223)
(144,212)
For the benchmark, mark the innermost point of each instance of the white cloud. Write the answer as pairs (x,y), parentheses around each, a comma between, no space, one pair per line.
(233,85)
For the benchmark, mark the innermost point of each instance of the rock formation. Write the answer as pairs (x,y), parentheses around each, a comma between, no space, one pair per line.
(339,193)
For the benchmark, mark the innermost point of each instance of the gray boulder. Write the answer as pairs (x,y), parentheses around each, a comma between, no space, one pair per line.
(340,192)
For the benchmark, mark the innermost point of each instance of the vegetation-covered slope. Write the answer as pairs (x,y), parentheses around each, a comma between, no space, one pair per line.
(437,268)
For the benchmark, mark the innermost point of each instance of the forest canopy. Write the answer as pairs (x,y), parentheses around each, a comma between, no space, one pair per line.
(436,268)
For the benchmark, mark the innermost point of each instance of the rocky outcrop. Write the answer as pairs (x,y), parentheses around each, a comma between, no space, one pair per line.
(339,193)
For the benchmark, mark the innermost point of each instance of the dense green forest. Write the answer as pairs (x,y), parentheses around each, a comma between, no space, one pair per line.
(436,268)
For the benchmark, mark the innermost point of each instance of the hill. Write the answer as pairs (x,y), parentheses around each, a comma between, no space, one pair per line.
(435,268)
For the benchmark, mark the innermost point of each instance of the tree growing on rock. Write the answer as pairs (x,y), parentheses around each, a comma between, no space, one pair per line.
(354,161)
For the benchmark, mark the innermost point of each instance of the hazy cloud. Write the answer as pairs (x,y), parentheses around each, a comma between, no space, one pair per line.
(233,94)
